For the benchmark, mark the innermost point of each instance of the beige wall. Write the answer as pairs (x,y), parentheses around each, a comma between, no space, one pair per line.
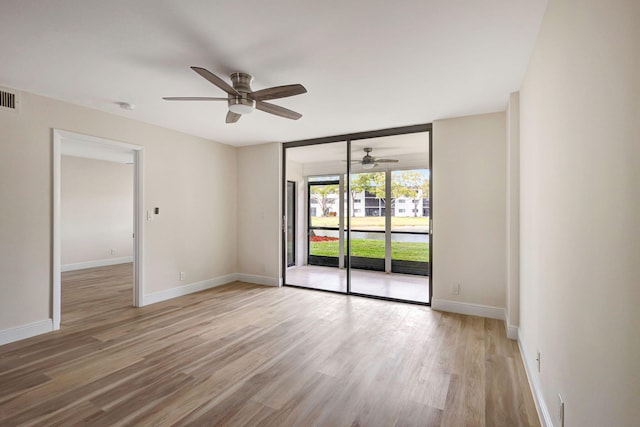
(295,174)
(191,180)
(469,188)
(580,211)
(513,214)
(96,205)
(259,207)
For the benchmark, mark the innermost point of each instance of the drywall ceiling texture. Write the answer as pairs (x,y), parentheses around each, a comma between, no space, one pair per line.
(469,206)
(96,210)
(366,64)
(191,180)
(580,210)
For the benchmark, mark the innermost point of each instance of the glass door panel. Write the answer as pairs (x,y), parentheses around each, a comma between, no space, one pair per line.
(319,171)
(367,233)
(389,187)
(409,224)
(324,221)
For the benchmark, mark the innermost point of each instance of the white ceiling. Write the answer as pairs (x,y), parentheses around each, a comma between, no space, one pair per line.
(386,146)
(411,151)
(366,64)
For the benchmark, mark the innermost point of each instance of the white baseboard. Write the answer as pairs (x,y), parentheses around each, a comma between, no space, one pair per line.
(25,331)
(187,289)
(259,280)
(468,308)
(96,263)
(534,384)
(512,331)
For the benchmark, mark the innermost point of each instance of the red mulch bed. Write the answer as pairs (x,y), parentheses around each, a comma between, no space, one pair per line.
(323,239)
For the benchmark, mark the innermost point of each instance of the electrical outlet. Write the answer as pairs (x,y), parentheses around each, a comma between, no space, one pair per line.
(455,289)
(183,275)
(538,359)
(113,251)
(560,410)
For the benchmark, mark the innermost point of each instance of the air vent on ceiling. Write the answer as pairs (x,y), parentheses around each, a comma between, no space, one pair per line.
(8,100)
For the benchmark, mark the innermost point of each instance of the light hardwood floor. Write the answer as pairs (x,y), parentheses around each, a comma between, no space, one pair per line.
(244,354)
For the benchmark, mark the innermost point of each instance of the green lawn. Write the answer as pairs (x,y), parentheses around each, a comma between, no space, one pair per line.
(370,248)
(364,222)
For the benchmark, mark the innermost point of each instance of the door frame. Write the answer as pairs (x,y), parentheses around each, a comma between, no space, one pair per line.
(294,220)
(59,137)
(348,138)
(310,227)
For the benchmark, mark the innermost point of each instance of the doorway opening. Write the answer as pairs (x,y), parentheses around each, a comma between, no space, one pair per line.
(120,244)
(366,212)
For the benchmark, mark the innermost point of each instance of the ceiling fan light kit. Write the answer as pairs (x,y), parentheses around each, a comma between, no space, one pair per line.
(241,105)
(241,99)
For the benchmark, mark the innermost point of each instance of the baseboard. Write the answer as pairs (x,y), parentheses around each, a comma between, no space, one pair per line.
(512,331)
(259,280)
(468,308)
(25,331)
(534,384)
(96,263)
(187,289)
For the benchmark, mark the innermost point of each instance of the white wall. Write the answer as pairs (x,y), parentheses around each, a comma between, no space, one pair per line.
(188,178)
(96,203)
(294,172)
(469,192)
(259,207)
(513,215)
(580,211)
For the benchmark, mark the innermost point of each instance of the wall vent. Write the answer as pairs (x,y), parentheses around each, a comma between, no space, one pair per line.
(9,100)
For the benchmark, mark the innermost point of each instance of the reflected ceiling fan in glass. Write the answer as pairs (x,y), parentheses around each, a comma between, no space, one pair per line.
(370,162)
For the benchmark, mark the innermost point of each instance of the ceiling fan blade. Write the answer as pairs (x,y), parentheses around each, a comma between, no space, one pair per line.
(233,117)
(216,80)
(386,161)
(277,110)
(193,98)
(278,92)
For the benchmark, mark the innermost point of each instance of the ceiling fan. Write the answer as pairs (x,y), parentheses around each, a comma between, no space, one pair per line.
(369,162)
(242,100)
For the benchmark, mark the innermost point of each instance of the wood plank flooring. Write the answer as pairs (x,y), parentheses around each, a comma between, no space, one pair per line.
(244,354)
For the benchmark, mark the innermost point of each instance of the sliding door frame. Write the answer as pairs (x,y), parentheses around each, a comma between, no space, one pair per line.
(294,219)
(311,227)
(348,138)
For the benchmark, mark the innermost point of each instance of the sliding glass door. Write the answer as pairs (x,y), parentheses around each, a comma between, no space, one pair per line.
(389,227)
(320,171)
(363,221)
